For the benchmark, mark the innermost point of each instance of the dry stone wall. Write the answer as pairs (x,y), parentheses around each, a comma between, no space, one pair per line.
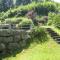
(11,39)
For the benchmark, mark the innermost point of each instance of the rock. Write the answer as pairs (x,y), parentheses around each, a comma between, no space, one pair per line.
(7,39)
(12,39)
(23,43)
(5,26)
(13,46)
(13,26)
(2,47)
(23,34)
(26,37)
(1,39)
(17,38)
(6,32)
(16,32)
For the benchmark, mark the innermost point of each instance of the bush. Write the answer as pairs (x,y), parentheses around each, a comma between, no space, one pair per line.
(51,17)
(19,22)
(57,21)
(54,19)
(39,33)
(1,16)
(45,7)
(19,11)
(13,20)
(25,23)
(41,8)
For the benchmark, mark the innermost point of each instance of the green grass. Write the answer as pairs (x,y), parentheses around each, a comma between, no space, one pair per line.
(49,50)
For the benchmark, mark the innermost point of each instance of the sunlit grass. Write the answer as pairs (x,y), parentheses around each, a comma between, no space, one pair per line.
(49,50)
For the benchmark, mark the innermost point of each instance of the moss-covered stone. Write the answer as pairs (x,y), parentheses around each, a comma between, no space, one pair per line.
(12,39)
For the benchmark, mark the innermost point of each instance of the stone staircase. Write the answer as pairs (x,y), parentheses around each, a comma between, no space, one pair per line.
(54,35)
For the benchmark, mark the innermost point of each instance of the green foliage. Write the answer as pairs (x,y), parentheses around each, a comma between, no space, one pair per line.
(5,5)
(1,16)
(13,20)
(51,17)
(25,23)
(57,21)
(42,8)
(20,22)
(39,33)
(45,7)
(54,19)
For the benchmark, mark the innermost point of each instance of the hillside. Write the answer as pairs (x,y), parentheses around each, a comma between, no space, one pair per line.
(30,30)
(37,51)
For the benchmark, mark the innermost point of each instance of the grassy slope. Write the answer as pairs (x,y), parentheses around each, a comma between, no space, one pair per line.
(46,51)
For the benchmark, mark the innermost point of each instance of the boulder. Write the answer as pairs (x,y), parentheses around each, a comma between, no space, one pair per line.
(5,26)
(1,39)
(2,47)
(7,39)
(17,38)
(6,32)
(13,46)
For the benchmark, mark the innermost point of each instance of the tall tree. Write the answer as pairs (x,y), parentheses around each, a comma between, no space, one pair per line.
(5,4)
(18,2)
(22,2)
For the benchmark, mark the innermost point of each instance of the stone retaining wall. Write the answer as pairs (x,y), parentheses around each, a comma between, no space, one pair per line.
(11,40)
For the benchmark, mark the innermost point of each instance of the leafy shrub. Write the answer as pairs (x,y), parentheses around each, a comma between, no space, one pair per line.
(1,16)
(25,23)
(19,22)
(41,8)
(51,17)
(19,11)
(57,21)
(39,33)
(54,19)
(13,20)
(45,7)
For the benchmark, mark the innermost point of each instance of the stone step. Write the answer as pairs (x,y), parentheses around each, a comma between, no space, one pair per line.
(56,36)
(58,42)
(50,30)
(57,39)
(53,33)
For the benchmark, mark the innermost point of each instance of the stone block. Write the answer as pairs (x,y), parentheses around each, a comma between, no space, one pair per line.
(23,34)
(6,32)
(2,47)
(1,39)
(17,38)
(22,43)
(13,26)
(13,46)
(5,26)
(16,32)
(7,39)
